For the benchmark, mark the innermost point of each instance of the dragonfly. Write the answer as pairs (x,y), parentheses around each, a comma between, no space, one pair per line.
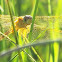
(20,22)
(23,22)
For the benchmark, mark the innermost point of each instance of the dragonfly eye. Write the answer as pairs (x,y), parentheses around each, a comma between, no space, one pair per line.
(27,17)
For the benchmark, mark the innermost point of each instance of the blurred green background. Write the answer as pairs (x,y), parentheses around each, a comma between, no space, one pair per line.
(24,7)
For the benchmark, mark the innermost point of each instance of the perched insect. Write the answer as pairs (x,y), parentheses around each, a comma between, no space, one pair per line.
(20,23)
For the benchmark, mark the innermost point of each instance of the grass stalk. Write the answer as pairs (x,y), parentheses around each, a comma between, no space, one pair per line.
(12,22)
(34,50)
(14,29)
(54,48)
(30,34)
(3,42)
(43,42)
(56,25)
(2,5)
(7,37)
(49,57)
(2,12)
(34,13)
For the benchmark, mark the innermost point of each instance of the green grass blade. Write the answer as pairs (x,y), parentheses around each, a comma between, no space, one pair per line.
(40,35)
(57,26)
(34,13)
(49,8)
(7,38)
(49,57)
(14,29)
(12,22)
(34,51)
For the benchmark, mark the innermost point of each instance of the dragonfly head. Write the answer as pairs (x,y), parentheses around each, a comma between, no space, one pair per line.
(28,19)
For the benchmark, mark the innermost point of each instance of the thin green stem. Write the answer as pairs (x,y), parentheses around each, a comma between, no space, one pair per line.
(35,9)
(12,23)
(49,8)
(50,24)
(43,42)
(14,29)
